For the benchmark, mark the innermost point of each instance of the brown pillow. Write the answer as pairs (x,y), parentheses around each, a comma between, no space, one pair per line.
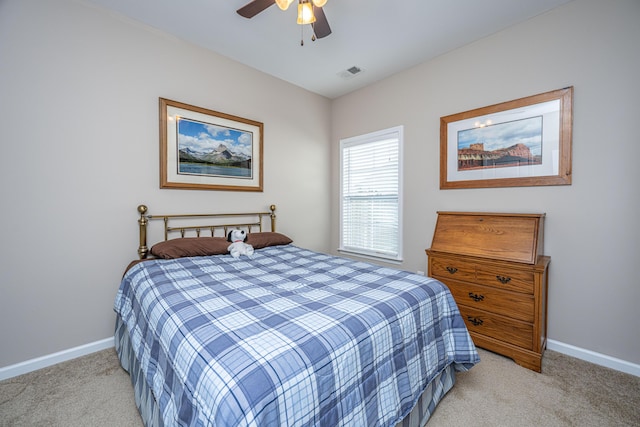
(267,238)
(190,246)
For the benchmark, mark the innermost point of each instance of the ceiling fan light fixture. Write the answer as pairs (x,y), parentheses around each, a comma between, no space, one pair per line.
(305,13)
(284,4)
(309,12)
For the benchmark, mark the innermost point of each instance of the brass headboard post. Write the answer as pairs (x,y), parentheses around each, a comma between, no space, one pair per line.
(273,217)
(143,250)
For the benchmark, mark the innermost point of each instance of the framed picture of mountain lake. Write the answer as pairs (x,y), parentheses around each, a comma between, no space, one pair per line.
(202,149)
(525,142)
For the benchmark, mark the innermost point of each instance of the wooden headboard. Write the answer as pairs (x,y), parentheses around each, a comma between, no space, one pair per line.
(197,225)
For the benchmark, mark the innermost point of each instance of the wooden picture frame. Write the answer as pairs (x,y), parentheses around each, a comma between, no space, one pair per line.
(524,142)
(202,149)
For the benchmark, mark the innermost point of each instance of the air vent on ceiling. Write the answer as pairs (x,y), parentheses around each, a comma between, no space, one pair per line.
(350,72)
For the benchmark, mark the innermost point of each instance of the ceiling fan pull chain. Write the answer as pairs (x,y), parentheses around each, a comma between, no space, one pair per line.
(313,35)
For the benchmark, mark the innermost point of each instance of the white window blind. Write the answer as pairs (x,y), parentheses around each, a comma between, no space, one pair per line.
(371,203)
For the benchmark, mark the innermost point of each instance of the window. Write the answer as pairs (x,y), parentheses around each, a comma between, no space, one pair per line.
(371,194)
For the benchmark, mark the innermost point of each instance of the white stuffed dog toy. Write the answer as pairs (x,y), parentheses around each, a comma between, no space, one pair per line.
(238,246)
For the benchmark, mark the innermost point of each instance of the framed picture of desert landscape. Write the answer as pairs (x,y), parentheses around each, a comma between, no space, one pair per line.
(202,149)
(519,143)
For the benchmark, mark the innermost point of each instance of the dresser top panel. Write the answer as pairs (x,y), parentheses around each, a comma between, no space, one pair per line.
(502,236)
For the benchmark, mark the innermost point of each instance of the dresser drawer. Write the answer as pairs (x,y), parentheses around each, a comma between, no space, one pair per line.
(511,304)
(505,278)
(447,268)
(496,326)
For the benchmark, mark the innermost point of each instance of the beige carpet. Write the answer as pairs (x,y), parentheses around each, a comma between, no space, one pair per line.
(94,391)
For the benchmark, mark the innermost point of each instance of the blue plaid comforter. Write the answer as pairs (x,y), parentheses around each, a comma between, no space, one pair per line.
(290,337)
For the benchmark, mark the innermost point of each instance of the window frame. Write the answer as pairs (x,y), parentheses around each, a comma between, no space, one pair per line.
(373,137)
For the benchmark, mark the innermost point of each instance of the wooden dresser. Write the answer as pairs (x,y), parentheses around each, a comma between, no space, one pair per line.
(494,266)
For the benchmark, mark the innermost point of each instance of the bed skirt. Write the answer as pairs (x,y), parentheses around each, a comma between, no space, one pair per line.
(150,412)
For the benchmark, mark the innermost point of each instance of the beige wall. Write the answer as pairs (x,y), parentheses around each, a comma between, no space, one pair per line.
(79,143)
(592,230)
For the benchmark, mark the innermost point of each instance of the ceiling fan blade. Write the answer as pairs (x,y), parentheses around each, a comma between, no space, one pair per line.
(321,26)
(253,8)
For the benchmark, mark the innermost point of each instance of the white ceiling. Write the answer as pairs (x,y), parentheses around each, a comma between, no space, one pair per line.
(382,37)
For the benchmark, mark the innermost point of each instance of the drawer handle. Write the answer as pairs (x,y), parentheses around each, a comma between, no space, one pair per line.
(475,321)
(452,270)
(476,297)
(503,280)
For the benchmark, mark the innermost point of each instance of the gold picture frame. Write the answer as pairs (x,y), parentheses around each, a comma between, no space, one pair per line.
(519,143)
(202,149)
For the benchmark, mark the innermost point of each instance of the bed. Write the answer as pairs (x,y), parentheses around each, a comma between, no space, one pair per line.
(286,337)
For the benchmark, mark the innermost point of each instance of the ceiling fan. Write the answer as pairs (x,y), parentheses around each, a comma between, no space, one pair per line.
(309,12)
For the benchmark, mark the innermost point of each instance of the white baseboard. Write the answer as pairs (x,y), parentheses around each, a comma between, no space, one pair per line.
(593,357)
(52,359)
(62,356)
